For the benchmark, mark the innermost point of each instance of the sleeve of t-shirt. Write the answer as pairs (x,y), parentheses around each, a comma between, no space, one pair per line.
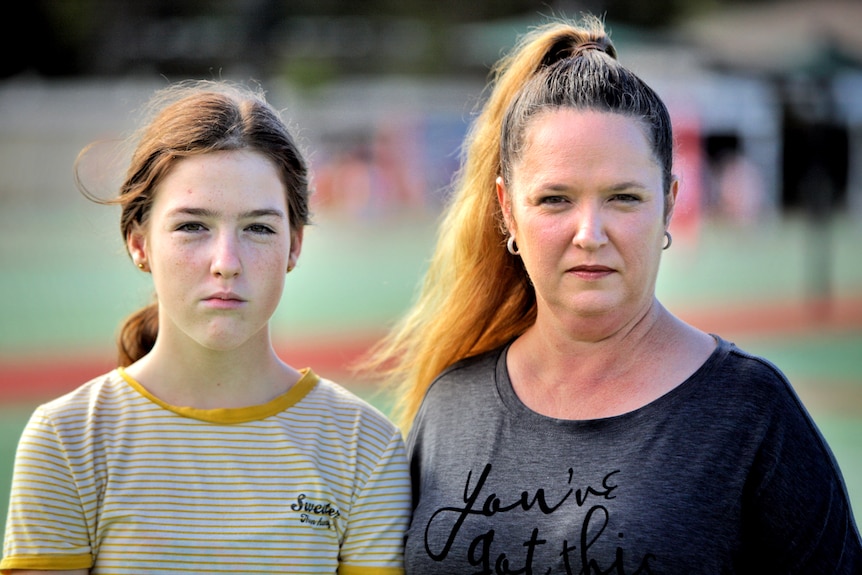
(801,512)
(379,516)
(46,526)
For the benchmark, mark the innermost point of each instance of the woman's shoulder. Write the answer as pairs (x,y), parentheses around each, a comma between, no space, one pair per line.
(736,365)
(467,380)
(471,367)
(747,379)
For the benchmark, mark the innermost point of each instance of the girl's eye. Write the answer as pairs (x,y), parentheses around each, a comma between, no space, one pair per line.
(260,229)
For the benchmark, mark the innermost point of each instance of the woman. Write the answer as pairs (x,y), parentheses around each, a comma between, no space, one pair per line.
(205,452)
(562,420)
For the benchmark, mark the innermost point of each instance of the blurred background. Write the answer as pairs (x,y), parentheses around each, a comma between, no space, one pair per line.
(767,103)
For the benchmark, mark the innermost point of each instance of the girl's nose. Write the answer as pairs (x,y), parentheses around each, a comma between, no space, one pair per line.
(226,261)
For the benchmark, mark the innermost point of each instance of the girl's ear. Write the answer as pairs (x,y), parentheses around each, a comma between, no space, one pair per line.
(136,244)
(295,248)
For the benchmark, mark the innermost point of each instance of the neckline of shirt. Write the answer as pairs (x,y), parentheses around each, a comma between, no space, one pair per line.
(235,414)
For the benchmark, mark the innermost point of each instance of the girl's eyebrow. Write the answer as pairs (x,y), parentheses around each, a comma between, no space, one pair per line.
(208,213)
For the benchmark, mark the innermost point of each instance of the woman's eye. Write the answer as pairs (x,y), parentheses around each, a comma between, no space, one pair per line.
(553,200)
(191,227)
(626,198)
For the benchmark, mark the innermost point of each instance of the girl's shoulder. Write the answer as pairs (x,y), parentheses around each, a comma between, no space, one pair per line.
(105,388)
(343,404)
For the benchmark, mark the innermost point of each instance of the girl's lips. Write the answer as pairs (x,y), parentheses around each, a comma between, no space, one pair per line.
(228,300)
(216,303)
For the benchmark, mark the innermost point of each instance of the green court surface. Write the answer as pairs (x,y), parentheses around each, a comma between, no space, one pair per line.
(66,283)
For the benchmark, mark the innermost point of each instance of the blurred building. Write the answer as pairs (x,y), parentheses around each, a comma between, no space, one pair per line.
(800,64)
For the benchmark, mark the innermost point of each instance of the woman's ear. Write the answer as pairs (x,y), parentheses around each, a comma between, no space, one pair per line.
(671,201)
(505,201)
(136,244)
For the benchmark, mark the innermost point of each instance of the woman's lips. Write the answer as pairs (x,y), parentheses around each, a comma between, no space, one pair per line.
(591,273)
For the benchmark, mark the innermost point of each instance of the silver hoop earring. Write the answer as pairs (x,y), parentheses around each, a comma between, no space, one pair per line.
(511,246)
(668,240)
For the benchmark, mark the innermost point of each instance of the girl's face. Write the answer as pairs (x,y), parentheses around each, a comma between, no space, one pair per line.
(218,244)
(586,207)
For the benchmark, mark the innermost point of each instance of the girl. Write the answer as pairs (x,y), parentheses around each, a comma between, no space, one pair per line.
(204,452)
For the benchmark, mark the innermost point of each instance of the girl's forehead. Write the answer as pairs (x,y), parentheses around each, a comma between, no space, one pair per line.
(226,179)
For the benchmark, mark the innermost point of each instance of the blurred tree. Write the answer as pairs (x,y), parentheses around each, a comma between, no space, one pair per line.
(36,42)
(202,37)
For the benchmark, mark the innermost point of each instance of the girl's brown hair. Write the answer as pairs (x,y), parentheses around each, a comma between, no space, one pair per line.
(192,119)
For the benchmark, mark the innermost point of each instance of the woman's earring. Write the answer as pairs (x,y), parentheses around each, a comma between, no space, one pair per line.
(512,246)
(289,268)
(668,240)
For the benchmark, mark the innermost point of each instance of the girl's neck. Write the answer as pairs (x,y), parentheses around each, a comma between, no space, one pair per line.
(207,379)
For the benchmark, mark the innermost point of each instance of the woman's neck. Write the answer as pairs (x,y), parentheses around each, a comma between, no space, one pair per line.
(562,373)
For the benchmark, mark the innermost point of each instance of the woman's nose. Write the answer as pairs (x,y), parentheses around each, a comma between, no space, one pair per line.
(590,229)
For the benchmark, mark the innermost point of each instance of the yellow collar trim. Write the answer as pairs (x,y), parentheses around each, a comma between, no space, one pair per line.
(236,414)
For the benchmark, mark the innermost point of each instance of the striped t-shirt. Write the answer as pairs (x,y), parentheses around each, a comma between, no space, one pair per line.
(112,479)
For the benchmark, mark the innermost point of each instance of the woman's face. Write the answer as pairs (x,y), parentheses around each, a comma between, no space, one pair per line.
(218,244)
(586,207)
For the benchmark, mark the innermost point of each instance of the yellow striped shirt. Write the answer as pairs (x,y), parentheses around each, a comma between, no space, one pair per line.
(112,479)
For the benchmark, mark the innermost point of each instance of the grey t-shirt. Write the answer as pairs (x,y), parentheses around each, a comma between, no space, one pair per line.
(726,473)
